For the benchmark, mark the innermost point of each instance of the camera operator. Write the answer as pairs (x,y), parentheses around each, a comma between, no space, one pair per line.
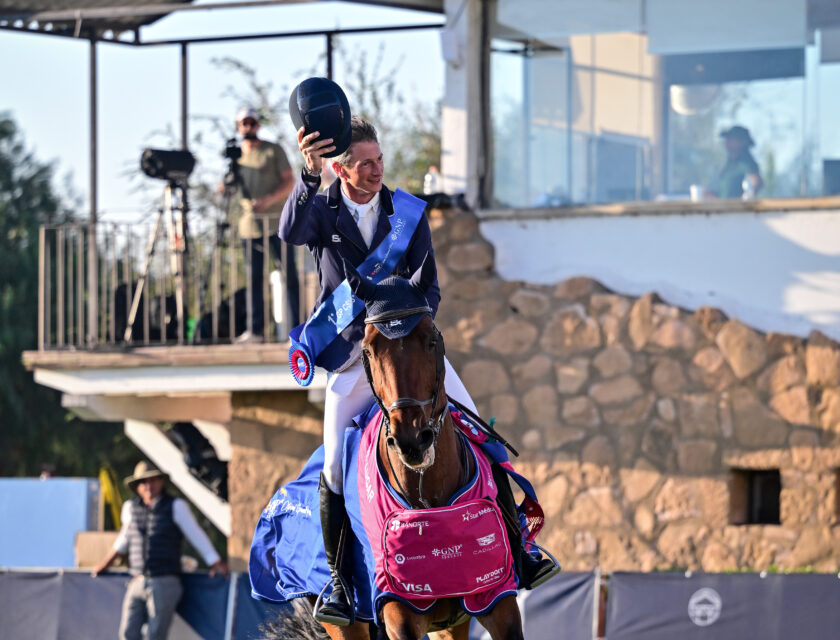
(264,178)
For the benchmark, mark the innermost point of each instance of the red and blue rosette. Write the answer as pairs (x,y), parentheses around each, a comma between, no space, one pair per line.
(300,364)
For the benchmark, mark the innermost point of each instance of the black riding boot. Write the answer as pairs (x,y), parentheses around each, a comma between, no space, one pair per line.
(532,572)
(338,607)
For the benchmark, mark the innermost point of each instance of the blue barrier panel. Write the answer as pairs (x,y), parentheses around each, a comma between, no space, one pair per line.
(563,607)
(664,606)
(90,607)
(72,605)
(252,613)
(203,605)
(30,604)
(60,606)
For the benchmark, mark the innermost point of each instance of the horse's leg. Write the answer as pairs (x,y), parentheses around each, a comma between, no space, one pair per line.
(504,621)
(461,632)
(356,631)
(402,623)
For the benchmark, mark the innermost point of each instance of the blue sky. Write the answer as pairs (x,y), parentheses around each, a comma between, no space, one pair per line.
(46,89)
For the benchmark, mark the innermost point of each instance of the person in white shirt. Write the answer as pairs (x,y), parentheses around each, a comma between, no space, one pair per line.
(152,529)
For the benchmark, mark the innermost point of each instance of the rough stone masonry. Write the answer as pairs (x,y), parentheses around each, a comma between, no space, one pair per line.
(632,414)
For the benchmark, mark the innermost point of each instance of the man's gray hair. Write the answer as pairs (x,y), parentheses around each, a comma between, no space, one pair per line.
(360,131)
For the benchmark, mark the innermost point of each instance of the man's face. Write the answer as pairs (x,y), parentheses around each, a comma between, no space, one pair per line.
(364,170)
(248,128)
(150,489)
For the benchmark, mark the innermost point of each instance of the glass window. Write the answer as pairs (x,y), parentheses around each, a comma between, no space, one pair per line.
(598,117)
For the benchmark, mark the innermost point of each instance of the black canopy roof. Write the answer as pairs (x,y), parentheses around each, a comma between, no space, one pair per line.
(81,18)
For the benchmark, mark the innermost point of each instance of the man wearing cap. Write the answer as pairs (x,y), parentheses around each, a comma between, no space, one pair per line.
(740,167)
(153,526)
(265,180)
(346,224)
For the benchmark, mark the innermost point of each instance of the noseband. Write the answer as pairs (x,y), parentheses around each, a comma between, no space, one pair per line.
(435,424)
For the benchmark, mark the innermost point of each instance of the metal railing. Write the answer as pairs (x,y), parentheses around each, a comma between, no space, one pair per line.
(142,264)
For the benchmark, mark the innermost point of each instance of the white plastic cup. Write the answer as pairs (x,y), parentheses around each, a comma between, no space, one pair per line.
(696,192)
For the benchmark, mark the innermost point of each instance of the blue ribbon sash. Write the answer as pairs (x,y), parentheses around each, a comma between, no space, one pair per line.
(339,310)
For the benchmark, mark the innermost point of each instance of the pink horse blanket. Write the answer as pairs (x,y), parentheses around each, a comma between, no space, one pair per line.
(459,550)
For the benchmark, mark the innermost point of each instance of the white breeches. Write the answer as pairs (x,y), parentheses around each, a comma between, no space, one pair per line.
(348,394)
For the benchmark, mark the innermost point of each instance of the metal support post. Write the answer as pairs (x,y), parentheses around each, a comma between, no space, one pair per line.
(184,98)
(92,335)
(329,56)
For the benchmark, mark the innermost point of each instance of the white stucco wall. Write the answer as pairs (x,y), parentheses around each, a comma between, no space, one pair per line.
(774,271)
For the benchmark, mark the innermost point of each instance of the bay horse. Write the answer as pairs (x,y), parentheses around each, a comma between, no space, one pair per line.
(419,448)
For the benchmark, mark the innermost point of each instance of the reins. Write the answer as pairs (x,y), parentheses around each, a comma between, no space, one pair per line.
(403,403)
(435,424)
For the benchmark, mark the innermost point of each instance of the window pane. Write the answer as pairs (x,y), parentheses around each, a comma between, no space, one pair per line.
(587,118)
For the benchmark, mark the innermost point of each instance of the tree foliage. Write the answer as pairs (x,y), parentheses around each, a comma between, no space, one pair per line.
(34,428)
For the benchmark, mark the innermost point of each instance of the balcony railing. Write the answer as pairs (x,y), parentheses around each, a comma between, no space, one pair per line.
(123,285)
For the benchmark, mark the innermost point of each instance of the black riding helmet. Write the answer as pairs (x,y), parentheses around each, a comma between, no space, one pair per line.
(319,104)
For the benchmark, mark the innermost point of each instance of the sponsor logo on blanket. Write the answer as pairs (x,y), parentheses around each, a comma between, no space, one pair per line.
(486,540)
(400,558)
(415,588)
(284,505)
(396,525)
(470,515)
(448,553)
(490,575)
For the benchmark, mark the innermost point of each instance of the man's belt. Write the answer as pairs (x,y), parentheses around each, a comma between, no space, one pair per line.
(339,310)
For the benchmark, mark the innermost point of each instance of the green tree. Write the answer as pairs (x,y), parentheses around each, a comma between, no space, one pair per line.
(34,428)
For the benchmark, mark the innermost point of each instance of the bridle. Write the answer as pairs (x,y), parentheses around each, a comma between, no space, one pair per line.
(435,424)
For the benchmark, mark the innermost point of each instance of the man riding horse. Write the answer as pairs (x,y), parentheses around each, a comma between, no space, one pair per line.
(357,221)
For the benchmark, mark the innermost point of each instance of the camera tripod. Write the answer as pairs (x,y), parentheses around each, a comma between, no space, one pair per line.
(174,216)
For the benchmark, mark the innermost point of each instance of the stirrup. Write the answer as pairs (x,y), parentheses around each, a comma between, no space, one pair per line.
(549,574)
(338,621)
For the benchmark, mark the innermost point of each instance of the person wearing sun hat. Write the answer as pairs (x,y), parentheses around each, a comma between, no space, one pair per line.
(153,525)
(740,169)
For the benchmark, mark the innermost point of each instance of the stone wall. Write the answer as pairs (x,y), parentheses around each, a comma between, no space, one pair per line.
(631,414)
(272,435)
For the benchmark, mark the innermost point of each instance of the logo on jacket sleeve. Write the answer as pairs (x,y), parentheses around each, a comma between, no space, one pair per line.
(336,237)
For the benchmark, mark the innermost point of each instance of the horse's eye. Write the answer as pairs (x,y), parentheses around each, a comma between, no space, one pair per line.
(432,344)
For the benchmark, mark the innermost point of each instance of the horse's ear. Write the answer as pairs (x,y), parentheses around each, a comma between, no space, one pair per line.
(363,289)
(424,277)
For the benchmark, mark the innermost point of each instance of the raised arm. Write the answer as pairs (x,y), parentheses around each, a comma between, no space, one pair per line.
(297,225)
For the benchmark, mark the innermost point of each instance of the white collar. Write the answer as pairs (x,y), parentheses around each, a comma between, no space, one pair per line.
(361,208)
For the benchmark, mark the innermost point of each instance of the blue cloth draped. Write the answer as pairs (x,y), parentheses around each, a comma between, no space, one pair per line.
(287,558)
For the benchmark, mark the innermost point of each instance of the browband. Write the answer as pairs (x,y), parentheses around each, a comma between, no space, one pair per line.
(397,314)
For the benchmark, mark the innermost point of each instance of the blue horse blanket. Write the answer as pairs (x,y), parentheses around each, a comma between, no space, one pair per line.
(287,557)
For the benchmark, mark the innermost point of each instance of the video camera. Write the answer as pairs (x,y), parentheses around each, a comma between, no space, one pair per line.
(232,150)
(173,165)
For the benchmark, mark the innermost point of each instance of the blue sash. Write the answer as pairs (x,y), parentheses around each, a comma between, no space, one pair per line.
(339,310)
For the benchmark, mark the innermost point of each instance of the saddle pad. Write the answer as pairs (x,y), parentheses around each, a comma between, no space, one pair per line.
(446,552)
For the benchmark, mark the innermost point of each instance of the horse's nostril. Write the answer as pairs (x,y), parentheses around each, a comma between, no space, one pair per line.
(391,442)
(425,438)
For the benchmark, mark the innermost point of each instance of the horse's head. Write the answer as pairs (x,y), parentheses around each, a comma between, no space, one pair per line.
(403,354)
